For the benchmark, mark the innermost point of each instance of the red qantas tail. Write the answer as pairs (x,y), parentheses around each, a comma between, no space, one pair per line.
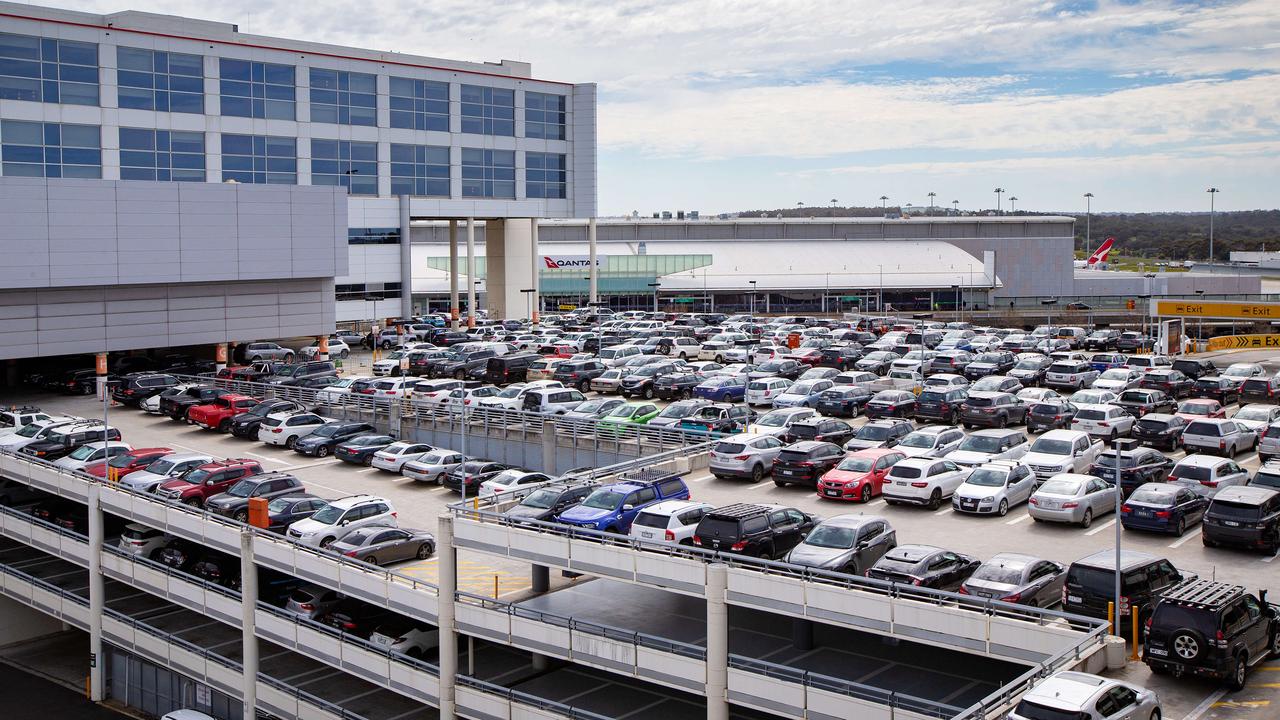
(1100,255)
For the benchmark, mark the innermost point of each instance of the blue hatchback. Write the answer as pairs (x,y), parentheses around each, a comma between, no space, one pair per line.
(723,388)
(612,508)
(1162,507)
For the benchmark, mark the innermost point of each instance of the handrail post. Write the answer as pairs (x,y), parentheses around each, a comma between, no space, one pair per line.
(448,586)
(97,595)
(248,605)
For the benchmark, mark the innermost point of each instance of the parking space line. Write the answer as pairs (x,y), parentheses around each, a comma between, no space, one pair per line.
(1101,527)
(1183,540)
(1248,458)
(1017,520)
(1269,558)
(759,485)
(1205,704)
(944,511)
(264,457)
(304,466)
(877,503)
(367,470)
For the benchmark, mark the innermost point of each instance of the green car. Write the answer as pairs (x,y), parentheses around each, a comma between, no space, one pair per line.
(636,413)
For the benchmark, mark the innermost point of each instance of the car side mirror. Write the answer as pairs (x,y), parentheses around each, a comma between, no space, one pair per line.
(628,506)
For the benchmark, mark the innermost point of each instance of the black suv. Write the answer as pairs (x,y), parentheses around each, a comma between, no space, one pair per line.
(1159,430)
(1137,467)
(1219,388)
(1050,415)
(509,368)
(296,374)
(133,389)
(816,427)
(1212,629)
(1144,401)
(176,406)
(844,400)
(462,362)
(1243,516)
(941,404)
(65,439)
(1195,369)
(765,531)
(325,438)
(842,357)
(804,462)
(548,501)
(1091,584)
(246,424)
(668,387)
(234,503)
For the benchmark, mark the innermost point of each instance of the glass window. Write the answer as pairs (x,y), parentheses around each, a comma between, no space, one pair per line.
(373,236)
(162,81)
(259,159)
(488,110)
(48,70)
(256,90)
(343,98)
(147,154)
(488,173)
(544,116)
(35,149)
(419,170)
(419,104)
(544,175)
(353,165)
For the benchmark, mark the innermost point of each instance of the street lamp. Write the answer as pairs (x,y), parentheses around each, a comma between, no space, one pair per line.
(997,191)
(753,298)
(1088,218)
(1199,322)
(884,203)
(1213,191)
(1048,309)
(956,308)
(655,286)
(1120,445)
(932,195)
(955,206)
(1013,207)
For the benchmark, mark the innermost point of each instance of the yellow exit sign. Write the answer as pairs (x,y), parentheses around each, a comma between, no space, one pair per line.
(1216,309)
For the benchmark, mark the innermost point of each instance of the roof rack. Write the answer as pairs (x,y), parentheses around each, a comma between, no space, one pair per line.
(1203,593)
(739,510)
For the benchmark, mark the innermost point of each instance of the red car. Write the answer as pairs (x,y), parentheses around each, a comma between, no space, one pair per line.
(207,480)
(859,476)
(806,355)
(122,465)
(217,414)
(1200,409)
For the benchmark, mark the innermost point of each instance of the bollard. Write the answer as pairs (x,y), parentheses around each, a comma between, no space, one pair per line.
(1133,654)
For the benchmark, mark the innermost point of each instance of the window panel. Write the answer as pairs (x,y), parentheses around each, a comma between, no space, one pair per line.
(69,70)
(484,173)
(336,94)
(173,149)
(544,116)
(344,163)
(544,175)
(35,149)
(245,85)
(245,158)
(419,104)
(420,170)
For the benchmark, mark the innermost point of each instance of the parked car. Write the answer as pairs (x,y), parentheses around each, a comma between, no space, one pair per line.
(612,508)
(924,566)
(1243,517)
(234,502)
(1070,498)
(382,545)
(297,375)
(432,466)
(1211,629)
(1216,387)
(886,433)
(132,391)
(163,469)
(1103,421)
(1256,417)
(1206,474)
(1269,443)
(210,479)
(1138,466)
(1050,415)
(860,475)
(671,521)
(891,403)
(1160,430)
(1071,375)
(923,481)
(247,424)
(1143,578)
(1018,578)
(469,475)
(92,453)
(284,511)
(816,427)
(932,441)
(804,462)
(341,517)
(843,400)
(1162,507)
(1081,696)
(845,543)
(549,500)
(285,428)
(746,455)
(124,464)
(360,450)
(257,351)
(393,457)
(764,531)
(516,483)
(992,409)
(1171,381)
(1225,437)
(994,487)
(325,439)
(1141,402)
(406,636)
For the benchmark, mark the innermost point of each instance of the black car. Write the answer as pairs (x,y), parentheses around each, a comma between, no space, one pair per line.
(1163,507)
(1159,430)
(780,367)
(891,403)
(580,373)
(510,368)
(1247,517)
(421,361)
(883,433)
(1101,340)
(548,501)
(1142,402)
(474,472)
(1212,629)
(1050,415)
(822,429)
(359,450)
(992,409)
(1260,390)
(996,362)
(356,617)
(234,503)
(132,390)
(284,511)
(640,383)
(75,382)
(924,566)
(288,375)
(1137,467)
(1091,584)
(804,462)
(674,386)
(1224,390)
(176,406)
(1195,368)
(941,404)
(246,424)
(64,440)
(325,438)
(1171,382)
(458,364)
(65,514)
(179,554)
(842,357)
(217,568)
(764,531)
(1131,342)
(843,400)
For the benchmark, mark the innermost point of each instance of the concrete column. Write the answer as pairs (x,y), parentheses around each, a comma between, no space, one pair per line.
(801,634)
(717,690)
(471,272)
(448,586)
(595,272)
(540,579)
(406,261)
(220,356)
(97,597)
(453,274)
(535,272)
(249,638)
(11,372)
(323,352)
(508,265)
(549,447)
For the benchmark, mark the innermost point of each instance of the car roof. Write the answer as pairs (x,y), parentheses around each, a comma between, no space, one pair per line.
(1068,690)
(1245,494)
(1106,559)
(352,500)
(995,432)
(1062,434)
(1200,460)
(671,507)
(1012,560)
(852,521)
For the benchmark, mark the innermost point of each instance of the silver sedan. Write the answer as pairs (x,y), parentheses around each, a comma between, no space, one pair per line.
(1072,498)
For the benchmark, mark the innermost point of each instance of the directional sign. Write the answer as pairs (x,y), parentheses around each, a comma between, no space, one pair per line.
(1240,342)
(1215,309)
(685,300)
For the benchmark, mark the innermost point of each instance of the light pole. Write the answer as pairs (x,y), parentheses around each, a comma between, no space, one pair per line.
(932,195)
(997,191)
(1013,204)
(655,286)
(884,203)
(955,207)
(1199,322)
(956,308)
(1213,191)
(472,311)
(1120,445)
(753,298)
(880,293)
(528,299)
(1048,310)
(1088,219)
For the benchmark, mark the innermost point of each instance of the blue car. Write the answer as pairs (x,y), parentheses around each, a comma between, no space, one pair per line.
(1105,361)
(726,388)
(612,508)
(1162,507)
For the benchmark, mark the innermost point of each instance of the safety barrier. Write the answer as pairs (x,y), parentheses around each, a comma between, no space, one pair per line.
(487,701)
(803,694)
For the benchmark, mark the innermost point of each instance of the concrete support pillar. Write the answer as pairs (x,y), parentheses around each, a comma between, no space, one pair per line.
(801,634)
(535,272)
(453,274)
(471,272)
(323,352)
(448,586)
(717,690)
(508,265)
(595,272)
(220,356)
(549,447)
(11,372)
(541,663)
(406,260)
(97,597)
(540,579)
(249,638)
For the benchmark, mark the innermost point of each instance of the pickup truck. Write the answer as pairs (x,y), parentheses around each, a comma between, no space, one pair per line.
(176,406)
(1062,451)
(256,372)
(217,415)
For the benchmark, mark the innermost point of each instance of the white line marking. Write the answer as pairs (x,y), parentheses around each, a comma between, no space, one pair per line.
(1101,527)
(1183,540)
(877,503)
(945,510)
(264,457)
(759,485)
(1205,704)
(368,470)
(309,465)
(700,478)
(1248,458)
(1017,520)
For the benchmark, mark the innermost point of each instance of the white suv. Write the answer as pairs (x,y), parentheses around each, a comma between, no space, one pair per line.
(670,521)
(342,516)
(285,428)
(163,470)
(1104,421)
(1061,451)
(1206,475)
(393,457)
(923,481)
(1218,435)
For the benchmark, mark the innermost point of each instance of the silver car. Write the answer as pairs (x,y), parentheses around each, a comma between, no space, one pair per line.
(1081,696)
(163,470)
(994,488)
(932,441)
(431,467)
(1018,578)
(749,455)
(1072,498)
(1217,435)
(311,601)
(845,543)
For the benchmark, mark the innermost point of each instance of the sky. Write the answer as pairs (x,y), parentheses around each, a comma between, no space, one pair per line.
(725,105)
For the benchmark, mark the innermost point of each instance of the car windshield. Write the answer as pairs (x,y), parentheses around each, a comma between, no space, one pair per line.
(1239,371)
(328,430)
(986,477)
(121,461)
(872,432)
(590,406)
(160,467)
(855,464)
(603,500)
(541,499)
(1195,408)
(1027,365)
(774,420)
(998,574)
(918,440)
(242,489)
(279,505)
(829,536)
(622,411)
(328,515)
(1251,413)
(1050,446)
(678,410)
(29,430)
(981,443)
(84,452)
(1060,487)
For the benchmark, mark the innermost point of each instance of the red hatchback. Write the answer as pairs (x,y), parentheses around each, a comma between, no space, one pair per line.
(121,465)
(859,476)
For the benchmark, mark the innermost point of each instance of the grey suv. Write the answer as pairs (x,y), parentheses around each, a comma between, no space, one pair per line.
(300,373)
(745,456)
(234,503)
(253,352)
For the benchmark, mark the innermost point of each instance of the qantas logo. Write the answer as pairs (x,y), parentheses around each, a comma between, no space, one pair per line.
(1100,255)
(557,263)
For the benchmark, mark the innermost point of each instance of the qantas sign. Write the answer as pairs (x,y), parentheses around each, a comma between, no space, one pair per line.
(561,262)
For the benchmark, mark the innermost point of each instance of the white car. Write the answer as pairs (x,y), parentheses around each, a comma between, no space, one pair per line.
(763,390)
(339,389)
(1103,421)
(517,482)
(1149,362)
(469,396)
(337,349)
(407,637)
(1062,451)
(1118,379)
(90,453)
(1256,416)
(391,387)
(431,467)
(617,355)
(931,441)
(1243,371)
(777,422)
(671,521)
(995,487)
(11,421)
(142,541)
(429,390)
(1072,498)
(163,470)
(1075,374)
(389,364)
(923,481)
(1082,696)
(341,517)
(508,398)
(393,457)
(988,445)
(1092,397)
(1206,475)
(285,428)
(31,432)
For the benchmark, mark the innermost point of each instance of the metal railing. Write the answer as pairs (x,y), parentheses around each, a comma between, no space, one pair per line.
(343,636)
(515,696)
(848,688)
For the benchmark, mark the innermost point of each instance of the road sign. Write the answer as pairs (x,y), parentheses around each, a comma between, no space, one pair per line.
(850,298)
(683,300)
(1215,309)
(1241,342)
(568,307)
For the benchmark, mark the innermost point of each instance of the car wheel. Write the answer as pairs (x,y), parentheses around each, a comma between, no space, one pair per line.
(648,393)
(290,442)
(1004,508)
(326,542)
(192,502)
(425,551)
(720,359)
(1275,644)
(935,500)
(1087,520)
(368,461)
(779,483)
(224,426)
(322,451)
(757,473)
(256,358)
(1239,673)
(865,496)
(968,426)
(1002,422)
(242,516)
(584,386)
(953,418)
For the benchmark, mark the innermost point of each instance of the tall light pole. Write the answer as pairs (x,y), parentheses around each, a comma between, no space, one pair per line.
(955,206)
(884,203)
(932,195)
(997,191)
(1213,191)
(1088,218)
(753,297)
(1013,207)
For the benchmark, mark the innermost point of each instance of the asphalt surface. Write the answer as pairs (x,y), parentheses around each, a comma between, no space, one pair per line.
(19,691)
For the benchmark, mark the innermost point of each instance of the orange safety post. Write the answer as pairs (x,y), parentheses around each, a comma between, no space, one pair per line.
(258,515)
